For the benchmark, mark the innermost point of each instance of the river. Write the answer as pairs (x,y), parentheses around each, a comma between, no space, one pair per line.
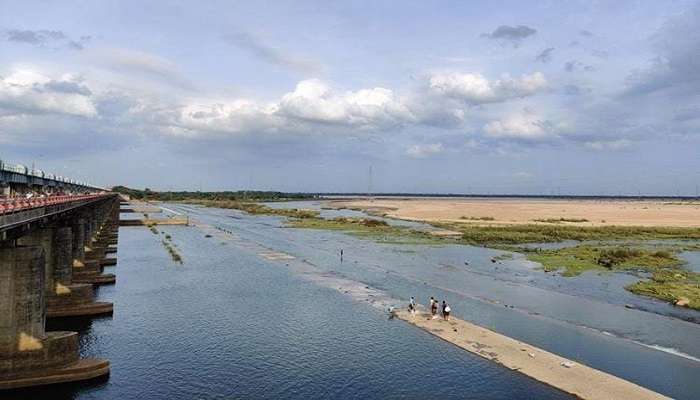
(254,312)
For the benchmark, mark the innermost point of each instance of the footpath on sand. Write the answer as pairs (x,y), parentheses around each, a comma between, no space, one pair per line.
(571,377)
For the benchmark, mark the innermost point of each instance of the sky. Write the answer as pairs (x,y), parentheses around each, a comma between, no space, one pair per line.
(491,97)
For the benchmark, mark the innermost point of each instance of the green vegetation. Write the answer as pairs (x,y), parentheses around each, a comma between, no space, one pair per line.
(368,228)
(257,209)
(172,250)
(671,285)
(499,235)
(242,195)
(560,220)
(575,260)
(668,281)
(504,256)
(477,218)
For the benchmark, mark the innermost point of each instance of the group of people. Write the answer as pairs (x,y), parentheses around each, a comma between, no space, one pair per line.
(434,304)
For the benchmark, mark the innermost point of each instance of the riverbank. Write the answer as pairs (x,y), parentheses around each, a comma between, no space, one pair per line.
(574,212)
(580,380)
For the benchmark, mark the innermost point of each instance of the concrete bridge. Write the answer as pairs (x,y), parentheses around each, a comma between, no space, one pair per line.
(19,180)
(52,252)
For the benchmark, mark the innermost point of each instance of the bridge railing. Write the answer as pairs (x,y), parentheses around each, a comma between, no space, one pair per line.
(12,205)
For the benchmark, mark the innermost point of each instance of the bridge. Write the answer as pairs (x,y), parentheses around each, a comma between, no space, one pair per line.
(55,237)
(17,179)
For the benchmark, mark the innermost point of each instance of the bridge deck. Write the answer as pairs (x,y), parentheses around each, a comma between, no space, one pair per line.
(16,212)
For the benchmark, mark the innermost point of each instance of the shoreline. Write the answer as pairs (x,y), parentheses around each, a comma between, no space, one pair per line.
(571,377)
(532,211)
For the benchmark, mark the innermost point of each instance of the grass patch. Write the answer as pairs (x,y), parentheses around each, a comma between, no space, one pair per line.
(464,217)
(575,260)
(671,285)
(498,235)
(258,209)
(668,281)
(504,256)
(368,228)
(560,220)
(172,250)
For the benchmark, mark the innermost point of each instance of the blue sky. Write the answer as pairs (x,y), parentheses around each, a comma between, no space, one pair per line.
(590,97)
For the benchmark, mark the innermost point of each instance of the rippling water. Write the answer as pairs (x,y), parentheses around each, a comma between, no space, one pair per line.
(229,323)
(583,318)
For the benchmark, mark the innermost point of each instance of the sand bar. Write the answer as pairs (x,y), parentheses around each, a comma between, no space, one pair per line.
(601,212)
(577,379)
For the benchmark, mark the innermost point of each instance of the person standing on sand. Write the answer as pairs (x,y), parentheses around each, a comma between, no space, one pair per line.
(446,311)
(412,305)
(433,307)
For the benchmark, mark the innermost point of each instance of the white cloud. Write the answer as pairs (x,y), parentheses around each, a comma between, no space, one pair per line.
(238,116)
(522,125)
(311,107)
(313,101)
(424,150)
(474,88)
(26,92)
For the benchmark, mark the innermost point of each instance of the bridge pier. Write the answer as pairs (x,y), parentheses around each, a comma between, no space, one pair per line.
(63,297)
(28,355)
(86,269)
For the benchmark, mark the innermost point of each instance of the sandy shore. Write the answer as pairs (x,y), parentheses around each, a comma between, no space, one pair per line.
(572,377)
(525,211)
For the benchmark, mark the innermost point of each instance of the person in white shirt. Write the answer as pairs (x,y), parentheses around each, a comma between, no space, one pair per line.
(446,310)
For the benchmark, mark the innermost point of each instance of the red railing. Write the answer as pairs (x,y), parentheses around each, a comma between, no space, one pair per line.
(12,205)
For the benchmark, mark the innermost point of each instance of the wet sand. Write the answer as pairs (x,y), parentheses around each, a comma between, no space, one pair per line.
(577,379)
(527,211)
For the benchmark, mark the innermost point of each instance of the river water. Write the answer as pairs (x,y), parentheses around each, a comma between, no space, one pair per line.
(258,310)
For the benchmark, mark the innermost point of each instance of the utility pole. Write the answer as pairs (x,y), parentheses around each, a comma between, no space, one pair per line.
(369,183)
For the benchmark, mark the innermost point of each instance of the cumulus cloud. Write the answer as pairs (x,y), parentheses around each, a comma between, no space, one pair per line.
(273,55)
(474,88)
(424,150)
(27,92)
(312,106)
(524,125)
(237,117)
(511,34)
(314,101)
(545,56)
